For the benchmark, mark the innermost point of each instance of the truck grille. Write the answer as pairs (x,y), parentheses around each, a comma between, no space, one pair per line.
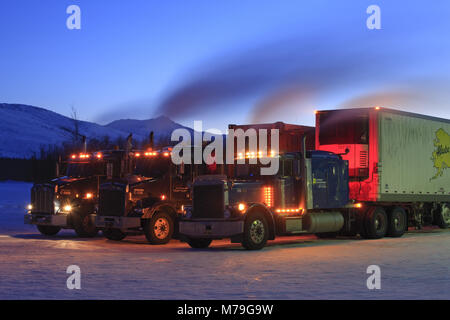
(111,201)
(42,197)
(208,201)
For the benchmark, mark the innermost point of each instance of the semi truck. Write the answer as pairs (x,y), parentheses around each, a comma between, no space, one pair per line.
(359,180)
(68,202)
(149,200)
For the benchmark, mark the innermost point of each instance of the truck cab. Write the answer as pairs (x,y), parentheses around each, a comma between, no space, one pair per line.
(67,202)
(148,201)
(305,196)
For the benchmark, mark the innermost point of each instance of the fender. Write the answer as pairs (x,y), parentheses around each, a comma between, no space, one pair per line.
(259,207)
(166,206)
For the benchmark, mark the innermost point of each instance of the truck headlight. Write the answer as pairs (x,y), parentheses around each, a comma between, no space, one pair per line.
(241,207)
(29,207)
(67,208)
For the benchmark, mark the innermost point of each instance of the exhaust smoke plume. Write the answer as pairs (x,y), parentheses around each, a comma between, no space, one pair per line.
(299,74)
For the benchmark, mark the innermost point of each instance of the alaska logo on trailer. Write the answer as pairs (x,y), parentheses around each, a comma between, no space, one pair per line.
(441,154)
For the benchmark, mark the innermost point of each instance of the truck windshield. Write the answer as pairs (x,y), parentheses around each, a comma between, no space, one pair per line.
(338,127)
(153,168)
(85,169)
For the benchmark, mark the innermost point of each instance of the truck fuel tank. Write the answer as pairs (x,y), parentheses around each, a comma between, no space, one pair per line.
(317,222)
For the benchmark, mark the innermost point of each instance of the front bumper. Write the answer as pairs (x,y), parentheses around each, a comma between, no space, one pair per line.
(211,228)
(117,222)
(59,220)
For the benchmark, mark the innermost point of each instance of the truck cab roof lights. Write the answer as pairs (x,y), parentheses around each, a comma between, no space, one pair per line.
(254,155)
(289,210)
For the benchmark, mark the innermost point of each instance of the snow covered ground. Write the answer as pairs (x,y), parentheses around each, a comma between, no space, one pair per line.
(416,266)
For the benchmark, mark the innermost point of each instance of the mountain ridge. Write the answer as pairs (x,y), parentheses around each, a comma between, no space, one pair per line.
(26,129)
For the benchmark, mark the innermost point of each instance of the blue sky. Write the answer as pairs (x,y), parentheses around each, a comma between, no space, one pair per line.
(224,61)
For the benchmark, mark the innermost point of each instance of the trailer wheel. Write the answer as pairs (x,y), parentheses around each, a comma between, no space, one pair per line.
(326,235)
(114,234)
(199,243)
(442,217)
(376,223)
(48,230)
(256,232)
(159,229)
(84,226)
(396,222)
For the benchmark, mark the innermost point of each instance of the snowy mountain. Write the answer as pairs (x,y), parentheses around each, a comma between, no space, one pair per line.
(161,126)
(25,129)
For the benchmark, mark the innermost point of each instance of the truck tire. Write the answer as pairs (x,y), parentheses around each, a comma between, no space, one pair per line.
(114,234)
(396,222)
(199,243)
(83,225)
(48,230)
(256,231)
(159,229)
(442,217)
(376,223)
(326,235)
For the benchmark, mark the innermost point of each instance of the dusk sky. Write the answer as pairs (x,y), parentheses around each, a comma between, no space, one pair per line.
(224,61)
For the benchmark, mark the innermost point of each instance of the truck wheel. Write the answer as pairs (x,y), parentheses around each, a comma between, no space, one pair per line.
(326,235)
(256,232)
(199,243)
(159,229)
(376,223)
(48,230)
(84,226)
(114,234)
(442,217)
(396,222)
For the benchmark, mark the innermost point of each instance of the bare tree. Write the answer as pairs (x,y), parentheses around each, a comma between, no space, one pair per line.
(76,123)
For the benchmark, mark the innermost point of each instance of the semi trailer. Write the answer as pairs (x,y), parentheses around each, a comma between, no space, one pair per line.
(337,189)
(398,161)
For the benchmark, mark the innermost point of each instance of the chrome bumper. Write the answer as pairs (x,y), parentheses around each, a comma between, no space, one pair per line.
(59,220)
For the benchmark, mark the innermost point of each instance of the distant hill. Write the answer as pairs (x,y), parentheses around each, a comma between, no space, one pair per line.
(25,129)
(161,126)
